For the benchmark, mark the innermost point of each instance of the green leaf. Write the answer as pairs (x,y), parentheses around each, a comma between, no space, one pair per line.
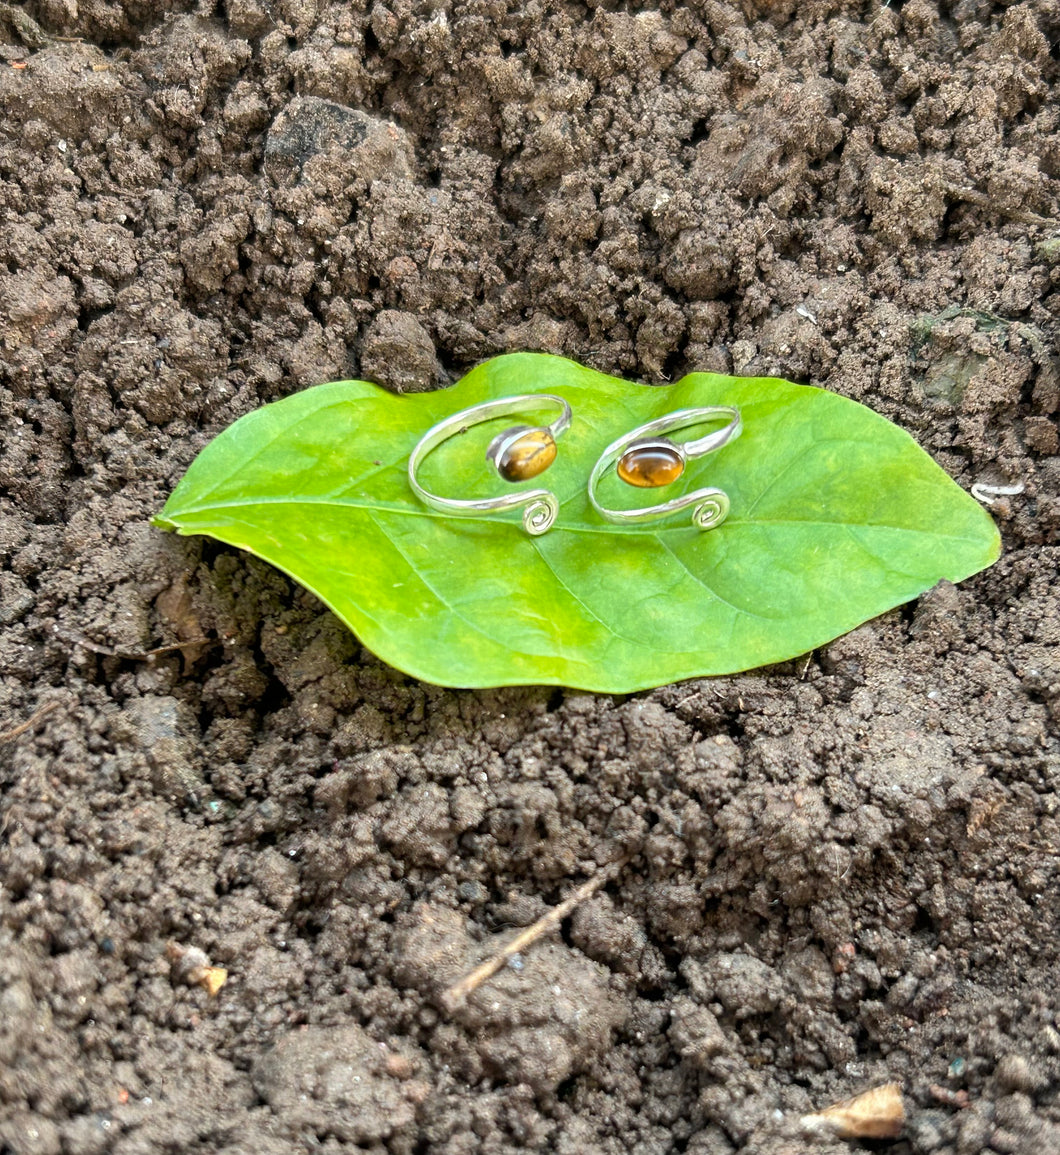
(837,515)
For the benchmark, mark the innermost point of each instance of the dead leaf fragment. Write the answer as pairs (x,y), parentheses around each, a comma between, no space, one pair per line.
(177,608)
(211,979)
(875,1114)
(191,965)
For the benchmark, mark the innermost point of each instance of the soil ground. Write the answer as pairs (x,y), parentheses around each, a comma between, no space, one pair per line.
(846,868)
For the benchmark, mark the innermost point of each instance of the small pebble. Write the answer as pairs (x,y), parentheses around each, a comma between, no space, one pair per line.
(1014,1073)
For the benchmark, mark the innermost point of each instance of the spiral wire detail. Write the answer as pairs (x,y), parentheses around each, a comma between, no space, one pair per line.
(540,515)
(712,512)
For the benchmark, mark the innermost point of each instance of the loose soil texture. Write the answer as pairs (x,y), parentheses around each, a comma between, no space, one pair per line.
(843,871)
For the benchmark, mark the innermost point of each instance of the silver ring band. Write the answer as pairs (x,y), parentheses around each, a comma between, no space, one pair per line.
(646,459)
(517,454)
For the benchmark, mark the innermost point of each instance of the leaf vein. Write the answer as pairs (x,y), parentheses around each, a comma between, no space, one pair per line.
(710,590)
(741,521)
(450,606)
(588,609)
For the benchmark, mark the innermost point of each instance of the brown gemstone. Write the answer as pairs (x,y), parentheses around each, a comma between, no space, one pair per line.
(528,455)
(649,466)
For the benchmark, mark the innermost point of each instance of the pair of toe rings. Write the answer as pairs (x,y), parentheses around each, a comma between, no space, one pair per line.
(645,458)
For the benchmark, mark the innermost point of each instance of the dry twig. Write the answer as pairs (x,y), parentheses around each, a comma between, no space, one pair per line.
(30,722)
(132,655)
(458,992)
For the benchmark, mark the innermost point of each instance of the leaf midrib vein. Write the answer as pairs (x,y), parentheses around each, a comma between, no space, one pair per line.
(608,530)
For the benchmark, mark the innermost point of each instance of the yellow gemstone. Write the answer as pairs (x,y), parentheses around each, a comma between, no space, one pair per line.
(649,466)
(527,456)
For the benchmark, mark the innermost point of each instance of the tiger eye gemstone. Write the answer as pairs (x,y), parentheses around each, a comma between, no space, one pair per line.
(527,456)
(649,466)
